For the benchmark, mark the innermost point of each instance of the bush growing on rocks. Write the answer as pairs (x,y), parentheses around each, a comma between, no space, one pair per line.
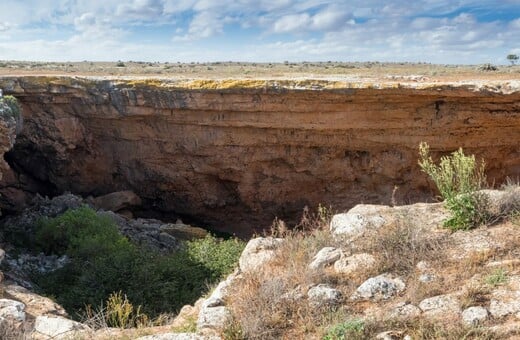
(458,178)
(13,105)
(102,262)
(220,257)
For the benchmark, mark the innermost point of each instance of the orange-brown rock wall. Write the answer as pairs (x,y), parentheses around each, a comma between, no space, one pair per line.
(235,158)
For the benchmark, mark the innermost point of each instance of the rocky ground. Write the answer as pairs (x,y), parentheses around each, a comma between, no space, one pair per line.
(372,272)
(353,71)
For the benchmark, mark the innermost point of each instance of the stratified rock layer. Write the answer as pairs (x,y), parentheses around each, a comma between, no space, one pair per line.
(234,158)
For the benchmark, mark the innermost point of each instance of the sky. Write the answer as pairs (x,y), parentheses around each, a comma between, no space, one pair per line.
(435,31)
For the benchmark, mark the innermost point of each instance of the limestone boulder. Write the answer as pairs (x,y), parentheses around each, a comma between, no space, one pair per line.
(474,315)
(324,295)
(358,220)
(213,319)
(439,306)
(11,309)
(258,252)
(325,257)
(55,327)
(377,288)
(116,201)
(404,311)
(355,264)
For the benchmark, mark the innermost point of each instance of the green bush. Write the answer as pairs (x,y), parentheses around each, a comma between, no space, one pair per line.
(220,257)
(498,277)
(346,330)
(13,105)
(102,262)
(458,178)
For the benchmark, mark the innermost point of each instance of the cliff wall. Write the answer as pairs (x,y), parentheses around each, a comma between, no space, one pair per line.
(235,155)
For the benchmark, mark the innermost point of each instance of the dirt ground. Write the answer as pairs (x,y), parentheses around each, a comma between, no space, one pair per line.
(371,71)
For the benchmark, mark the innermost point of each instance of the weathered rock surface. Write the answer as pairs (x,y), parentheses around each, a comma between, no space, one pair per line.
(354,264)
(214,316)
(55,327)
(258,252)
(11,309)
(323,295)
(474,315)
(116,201)
(255,153)
(34,304)
(9,124)
(440,306)
(325,257)
(381,287)
(404,311)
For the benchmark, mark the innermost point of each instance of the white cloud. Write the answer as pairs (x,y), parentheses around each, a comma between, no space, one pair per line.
(291,23)
(203,25)
(331,18)
(141,9)
(4,26)
(283,29)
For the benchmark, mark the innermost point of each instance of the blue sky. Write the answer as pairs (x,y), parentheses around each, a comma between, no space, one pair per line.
(437,31)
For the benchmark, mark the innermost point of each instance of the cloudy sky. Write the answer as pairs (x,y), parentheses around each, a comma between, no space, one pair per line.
(437,31)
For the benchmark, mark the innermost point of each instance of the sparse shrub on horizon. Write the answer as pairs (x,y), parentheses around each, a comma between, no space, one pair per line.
(513,58)
(458,178)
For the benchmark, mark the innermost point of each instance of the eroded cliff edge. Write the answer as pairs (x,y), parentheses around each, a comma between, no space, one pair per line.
(232,155)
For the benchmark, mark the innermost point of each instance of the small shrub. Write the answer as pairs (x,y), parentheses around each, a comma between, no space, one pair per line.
(12,330)
(13,105)
(121,313)
(218,256)
(458,178)
(475,295)
(347,330)
(400,246)
(189,326)
(498,277)
(514,217)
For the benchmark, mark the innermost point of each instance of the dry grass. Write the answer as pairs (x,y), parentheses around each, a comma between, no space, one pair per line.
(416,329)
(402,245)
(418,291)
(12,330)
(270,303)
(475,295)
(424,329)
(390,72)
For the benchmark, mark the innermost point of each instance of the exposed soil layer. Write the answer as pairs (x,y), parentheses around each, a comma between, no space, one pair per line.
(233,155)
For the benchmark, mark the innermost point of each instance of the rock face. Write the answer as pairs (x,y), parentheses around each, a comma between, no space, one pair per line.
(10,125)
(234,158)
